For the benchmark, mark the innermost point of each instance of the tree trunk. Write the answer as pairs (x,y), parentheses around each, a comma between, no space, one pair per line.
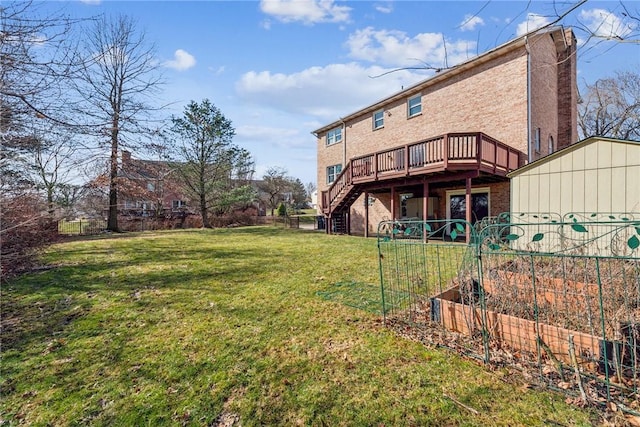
(203,212)
(112,223)
(50,206)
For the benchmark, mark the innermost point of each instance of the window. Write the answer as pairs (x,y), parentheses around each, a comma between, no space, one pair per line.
(150,186)
(334,136)
(378,119)
(333,172)
(414,106)
(551,146)
(178,204)
(536,140)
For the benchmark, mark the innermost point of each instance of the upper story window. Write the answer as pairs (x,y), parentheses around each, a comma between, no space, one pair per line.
(150,186)
(414,106)
(551,145)
(334,136)
(333,172)
(536,140)
(378,119)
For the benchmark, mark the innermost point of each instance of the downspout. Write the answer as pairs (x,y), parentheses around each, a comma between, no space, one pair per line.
(529,150)
(344,142)
(344,164)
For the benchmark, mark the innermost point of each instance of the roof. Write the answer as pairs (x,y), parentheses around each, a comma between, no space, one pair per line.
(443,75)
(569,149)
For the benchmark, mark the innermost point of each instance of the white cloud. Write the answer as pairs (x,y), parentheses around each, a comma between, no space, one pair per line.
(306,11)
(183,60)
(603,23)
(397,49)
(320,91)
(92,2)
(533,22)
(470,22)
(384,8)
(217,71)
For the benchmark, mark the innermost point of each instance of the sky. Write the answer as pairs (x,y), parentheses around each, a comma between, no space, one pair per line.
(279,69)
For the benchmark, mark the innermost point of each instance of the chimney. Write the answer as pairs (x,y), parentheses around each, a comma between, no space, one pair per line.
(126,156)
(567,91)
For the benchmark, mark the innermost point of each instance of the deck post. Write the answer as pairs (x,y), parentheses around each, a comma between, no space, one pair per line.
(425,208)
(479,149)
(468,208)
(495,157)
(393,203)
(366,214)
(406,159)
(375,166)
(445,151)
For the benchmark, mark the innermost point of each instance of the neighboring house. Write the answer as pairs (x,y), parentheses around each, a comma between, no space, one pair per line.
(443,147)
(150,188)
(596,175)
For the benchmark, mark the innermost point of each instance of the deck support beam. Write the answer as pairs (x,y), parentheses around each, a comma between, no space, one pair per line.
(393,203)
(468,208)
(366,214)
(425,208)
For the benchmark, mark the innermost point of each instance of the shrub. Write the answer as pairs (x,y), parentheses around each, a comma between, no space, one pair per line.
(282,209)
(25,229)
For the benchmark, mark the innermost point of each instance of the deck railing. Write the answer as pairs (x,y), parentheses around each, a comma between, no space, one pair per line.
(449,152)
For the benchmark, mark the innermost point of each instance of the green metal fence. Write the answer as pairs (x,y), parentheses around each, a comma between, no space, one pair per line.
(556,297)
(418,261)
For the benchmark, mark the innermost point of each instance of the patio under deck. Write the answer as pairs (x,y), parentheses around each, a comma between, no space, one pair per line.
(442,158)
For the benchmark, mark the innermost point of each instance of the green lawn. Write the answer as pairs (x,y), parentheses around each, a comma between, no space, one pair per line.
(229,326)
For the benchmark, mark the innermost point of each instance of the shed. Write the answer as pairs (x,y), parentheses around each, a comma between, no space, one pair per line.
(596,174)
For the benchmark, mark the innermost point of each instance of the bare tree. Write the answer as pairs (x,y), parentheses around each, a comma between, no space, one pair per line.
(611,107)
(214,170)
(51,164)
(37,58)
(619,23)
(118,80)
(274,185)
(310,187)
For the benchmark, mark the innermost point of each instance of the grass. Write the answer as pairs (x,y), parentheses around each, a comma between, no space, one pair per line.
(215,327)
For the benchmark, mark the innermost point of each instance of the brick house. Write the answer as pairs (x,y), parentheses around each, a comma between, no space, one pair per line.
(443,147)
(149,188)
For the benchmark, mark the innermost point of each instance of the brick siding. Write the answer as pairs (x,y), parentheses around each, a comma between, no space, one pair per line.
(488,94)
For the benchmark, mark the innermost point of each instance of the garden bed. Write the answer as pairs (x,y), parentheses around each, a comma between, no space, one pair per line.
(555,319)
(516,332)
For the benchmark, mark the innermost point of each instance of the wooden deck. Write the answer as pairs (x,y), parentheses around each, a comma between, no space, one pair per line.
(453,152)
